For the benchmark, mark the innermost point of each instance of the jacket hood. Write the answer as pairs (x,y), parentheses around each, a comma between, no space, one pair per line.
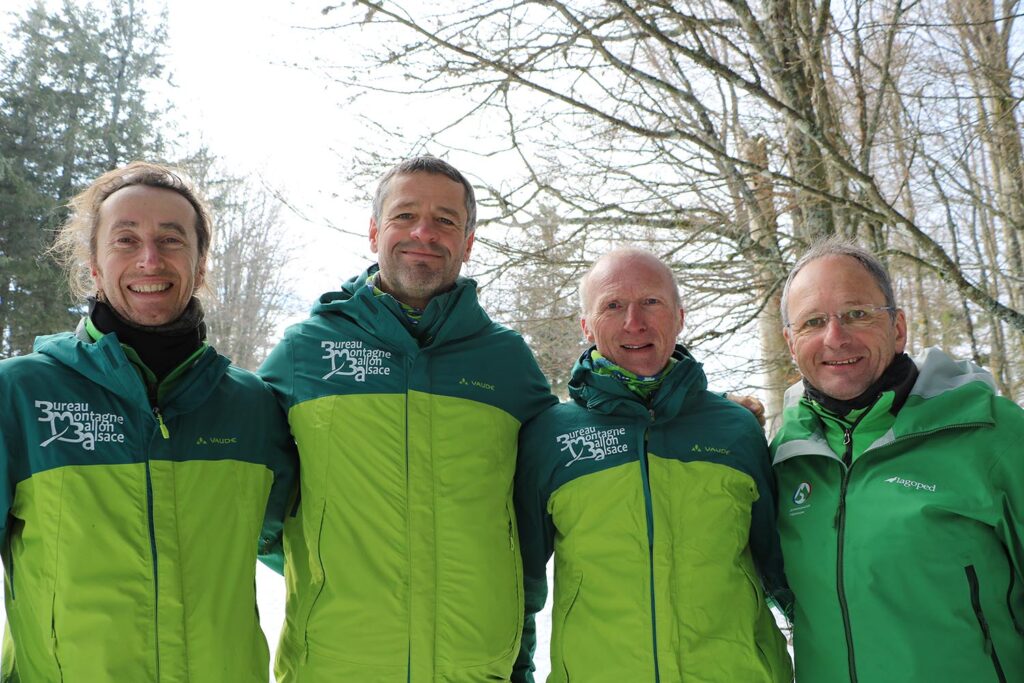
(448,317)
(609,396)
(104,363)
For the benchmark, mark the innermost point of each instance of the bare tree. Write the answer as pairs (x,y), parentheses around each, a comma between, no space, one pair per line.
(249,292)
(730,134)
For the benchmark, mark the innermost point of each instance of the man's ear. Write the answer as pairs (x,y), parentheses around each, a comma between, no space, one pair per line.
(373,235)
(901,330)
(200,274)
(587,334)
(469,246)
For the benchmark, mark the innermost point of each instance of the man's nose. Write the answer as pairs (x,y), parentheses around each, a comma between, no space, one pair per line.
(836,333)
(149,255)
(635,320)
(424,230)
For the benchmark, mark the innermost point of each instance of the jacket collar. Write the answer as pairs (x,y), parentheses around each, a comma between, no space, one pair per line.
(104,363)
(946,393)
(448,317)
(609,396)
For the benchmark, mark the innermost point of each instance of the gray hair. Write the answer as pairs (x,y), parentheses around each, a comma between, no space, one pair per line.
(628,252)
(426,164)
(838,246)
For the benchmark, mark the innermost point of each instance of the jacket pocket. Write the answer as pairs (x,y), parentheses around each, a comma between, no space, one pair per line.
(560,623)
(769,641)
(15,528)
(317,576)
(990,648)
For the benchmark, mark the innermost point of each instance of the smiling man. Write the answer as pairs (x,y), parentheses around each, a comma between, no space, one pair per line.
(655,497)
(140,472)
(902,492)
(402,559)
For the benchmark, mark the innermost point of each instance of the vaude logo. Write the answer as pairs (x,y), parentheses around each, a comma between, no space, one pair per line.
(591,443)
(74,422)
(216,441)
(353,359)
(911,484)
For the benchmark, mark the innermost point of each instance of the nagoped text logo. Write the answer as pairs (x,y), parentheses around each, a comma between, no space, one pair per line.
(591,443)
(74,422)
(907,483)
(353,359)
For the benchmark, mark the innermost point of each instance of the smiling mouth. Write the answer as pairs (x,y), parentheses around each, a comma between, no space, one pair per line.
(636,347)
(150,288)
(841,363)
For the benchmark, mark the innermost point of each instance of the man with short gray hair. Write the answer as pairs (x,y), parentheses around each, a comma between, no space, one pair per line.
(901,488)
(405,399)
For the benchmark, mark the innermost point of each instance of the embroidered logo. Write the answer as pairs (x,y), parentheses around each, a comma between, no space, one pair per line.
(353,359)
(801,499)
(907,483)
(591,443)
(697,448)
(476,383)
(802,493)
(216,440)
(74,422)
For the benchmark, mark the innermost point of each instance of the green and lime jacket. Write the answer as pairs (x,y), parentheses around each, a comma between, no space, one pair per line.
(904,533)
(402,559)
(133,516)
(661,519)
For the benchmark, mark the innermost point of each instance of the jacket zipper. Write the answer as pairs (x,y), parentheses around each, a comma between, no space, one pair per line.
(645,475)
(165,433)
(408,540)
(990,648)
(840,533)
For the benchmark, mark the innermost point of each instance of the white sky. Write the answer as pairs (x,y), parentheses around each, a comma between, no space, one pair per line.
(237,92)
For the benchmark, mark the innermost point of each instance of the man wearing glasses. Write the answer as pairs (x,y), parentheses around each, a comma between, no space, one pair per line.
(901,491)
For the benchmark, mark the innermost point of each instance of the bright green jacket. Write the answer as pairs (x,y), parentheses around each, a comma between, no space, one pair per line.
(131,528)
(402,561)
(903,533)
(661,519)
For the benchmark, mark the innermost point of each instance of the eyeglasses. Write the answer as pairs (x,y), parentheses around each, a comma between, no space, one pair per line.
(857,318)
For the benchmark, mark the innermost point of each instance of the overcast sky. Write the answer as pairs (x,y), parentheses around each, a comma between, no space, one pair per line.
(237,89)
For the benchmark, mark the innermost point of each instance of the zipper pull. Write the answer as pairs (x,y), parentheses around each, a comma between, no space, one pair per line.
(847,436)
(160,420)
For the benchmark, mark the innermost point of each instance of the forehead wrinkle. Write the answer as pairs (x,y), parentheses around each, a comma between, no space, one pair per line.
(171,226)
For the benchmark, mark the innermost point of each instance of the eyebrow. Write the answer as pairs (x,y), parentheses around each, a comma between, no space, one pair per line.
(412,204)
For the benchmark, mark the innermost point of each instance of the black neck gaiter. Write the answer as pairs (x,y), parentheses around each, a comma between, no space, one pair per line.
(899,377)
(161,347)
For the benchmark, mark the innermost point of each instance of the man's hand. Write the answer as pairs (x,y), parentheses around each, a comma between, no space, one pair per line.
(751,403)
